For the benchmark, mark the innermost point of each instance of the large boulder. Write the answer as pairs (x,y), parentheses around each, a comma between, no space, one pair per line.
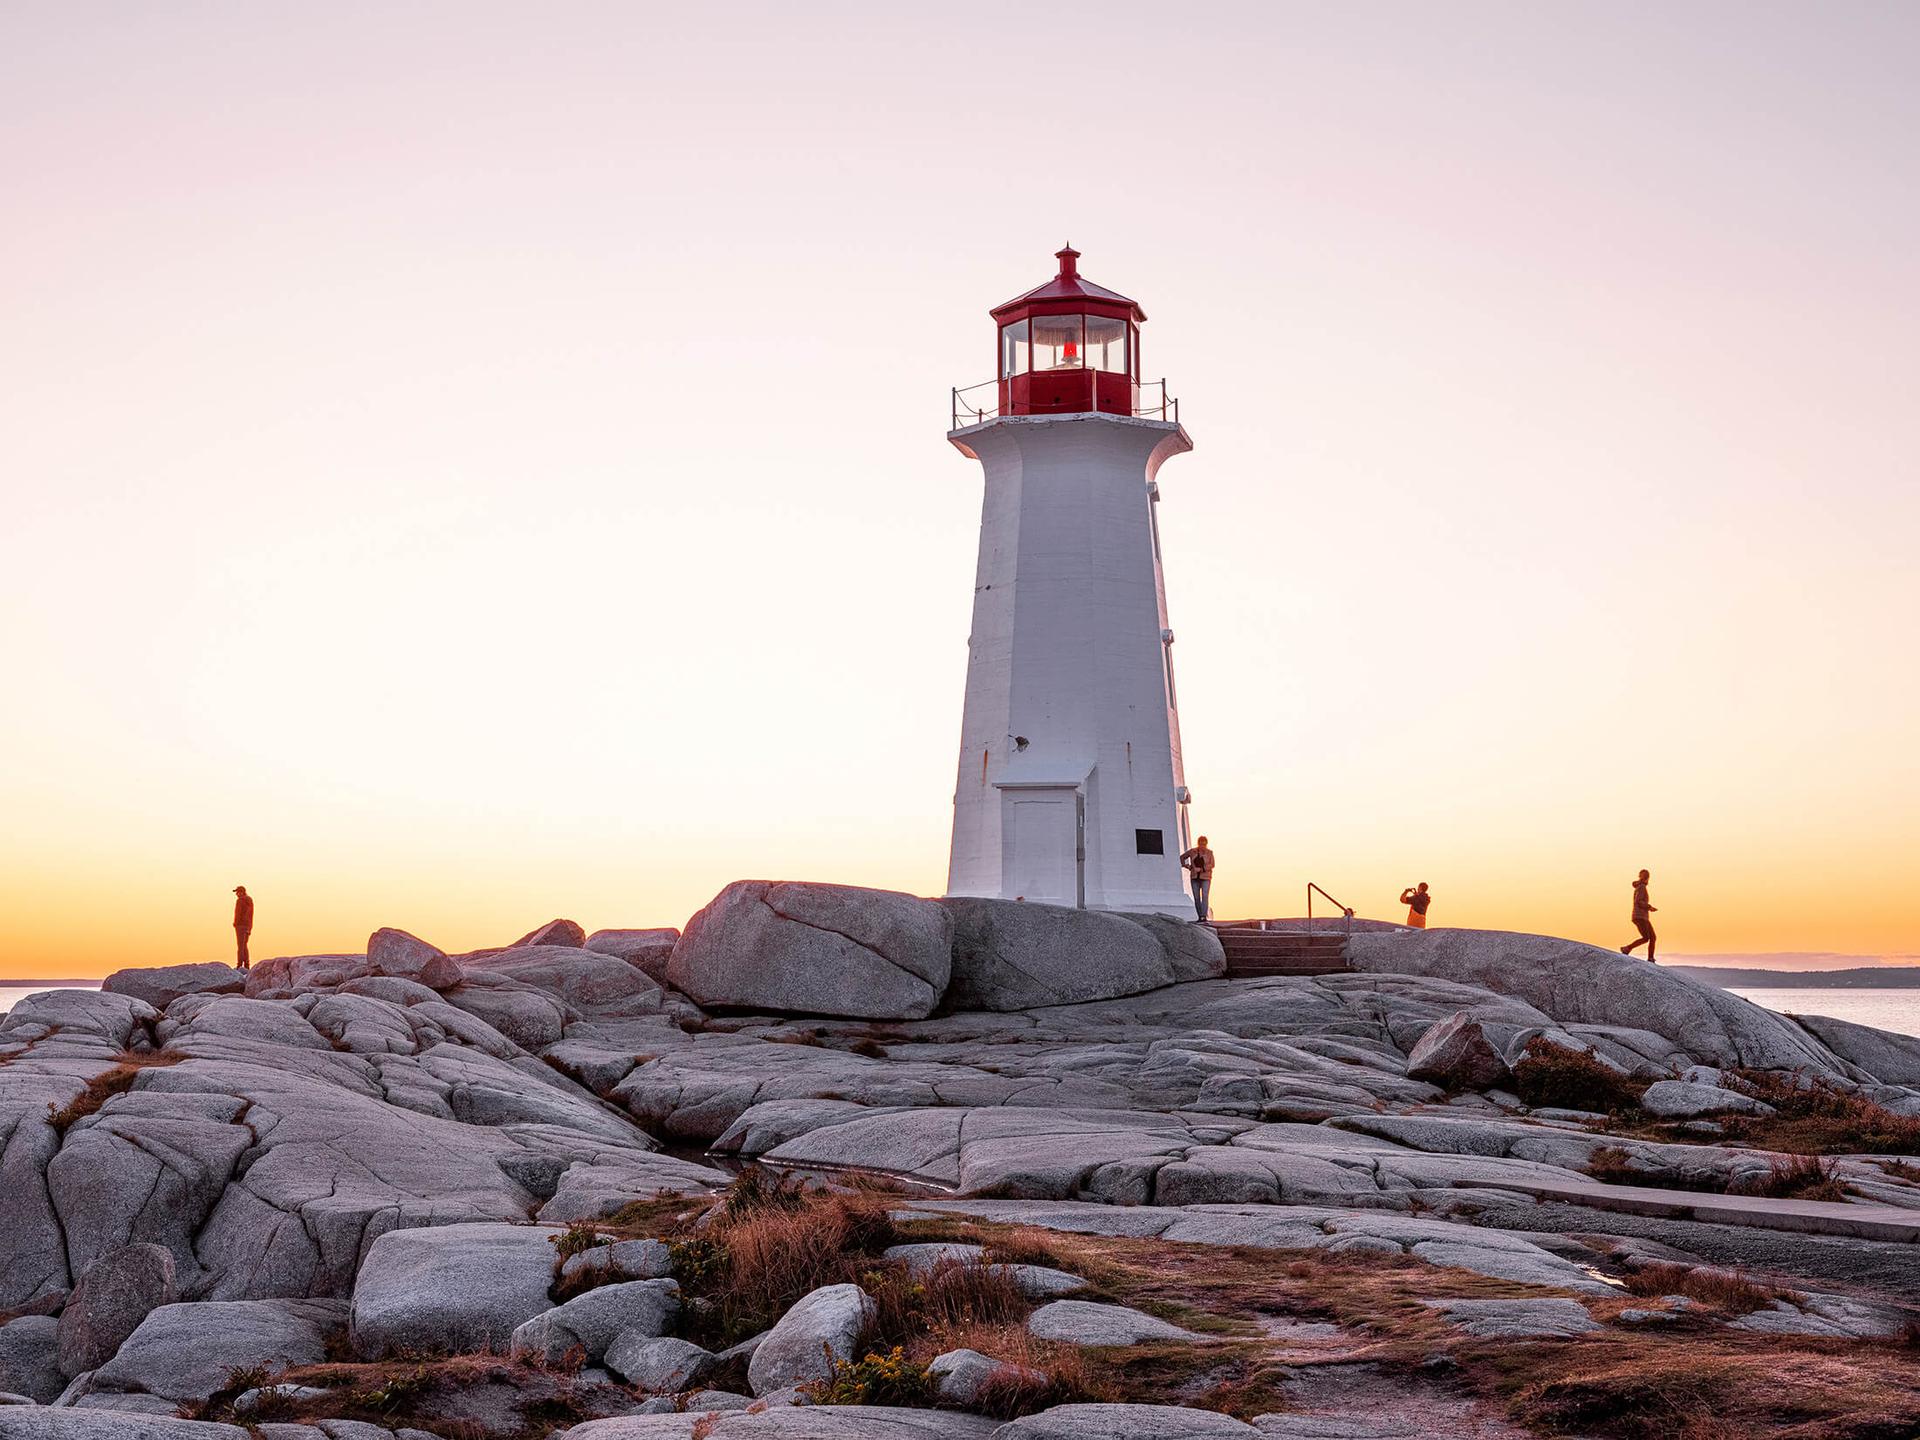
(1584,984)
(554,932)
(816,950)
(395,952)
(1012,955)
(646,950)
(184,1352)
(590,1322)
(822,1329)
(1087,1322)
(30,1358)
(451,1287)
(1455,1053)
(1683,1100)
(121,1290)
(658,1364)
(164,984)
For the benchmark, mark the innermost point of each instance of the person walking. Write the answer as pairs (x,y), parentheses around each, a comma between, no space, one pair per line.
(1416,899)
(1198,862)
(1643,909)
(242,926)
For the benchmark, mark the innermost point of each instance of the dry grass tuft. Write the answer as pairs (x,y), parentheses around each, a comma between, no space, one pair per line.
(1794,1177)
(1816,1117)
(109,1083)
(1555,1076)
(1731,1292)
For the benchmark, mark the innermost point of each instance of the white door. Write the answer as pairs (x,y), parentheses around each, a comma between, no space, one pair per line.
(1041,834)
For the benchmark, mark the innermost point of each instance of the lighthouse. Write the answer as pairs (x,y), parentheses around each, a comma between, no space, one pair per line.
(1070,788)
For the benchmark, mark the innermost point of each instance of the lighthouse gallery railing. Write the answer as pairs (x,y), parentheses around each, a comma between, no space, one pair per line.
(977,404)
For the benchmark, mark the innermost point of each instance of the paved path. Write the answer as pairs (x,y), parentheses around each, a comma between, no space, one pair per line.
(1819,1217)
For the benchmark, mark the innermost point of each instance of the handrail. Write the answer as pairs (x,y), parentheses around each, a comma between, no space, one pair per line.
(1346,910)
(1166,408)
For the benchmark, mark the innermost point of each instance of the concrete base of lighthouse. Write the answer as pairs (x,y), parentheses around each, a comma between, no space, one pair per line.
(1070,788)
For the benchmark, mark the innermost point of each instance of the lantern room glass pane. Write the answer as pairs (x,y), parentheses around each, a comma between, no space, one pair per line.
(1107,344)
(1058,343)
(1014,349)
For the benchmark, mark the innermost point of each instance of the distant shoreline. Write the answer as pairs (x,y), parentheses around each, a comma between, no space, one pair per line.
(1872,977)
(6,984)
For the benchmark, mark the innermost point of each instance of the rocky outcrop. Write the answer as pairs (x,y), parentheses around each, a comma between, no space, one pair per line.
(816,950)
(590,1323)
(1891,1059)
(554,932)
(184,1352)
(1586,984)
(121,1289)
(1681,1099)
(452,1287)
(30,1358)
(823,1328)
(645,950)
(1457,1054)
(1008,955)
(1087,1322)
(163,985)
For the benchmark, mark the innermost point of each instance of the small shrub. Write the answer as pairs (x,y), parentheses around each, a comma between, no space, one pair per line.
(889,1379)
(697,1262)
(1015,1390)
(1901,1170)
(1551,1075)
(1612,1165)
(872,1049)
(577,1239)
(757,1188)
(1794,1177)
(954,1296)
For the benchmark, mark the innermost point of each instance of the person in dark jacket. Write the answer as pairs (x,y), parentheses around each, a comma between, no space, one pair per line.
(242,925)
(1642,918)
(1416,899)
(1198,862)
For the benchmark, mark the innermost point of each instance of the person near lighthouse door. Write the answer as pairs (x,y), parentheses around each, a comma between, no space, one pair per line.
(1198,862)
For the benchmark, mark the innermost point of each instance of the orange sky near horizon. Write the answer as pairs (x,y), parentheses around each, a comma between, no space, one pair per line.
(462,465)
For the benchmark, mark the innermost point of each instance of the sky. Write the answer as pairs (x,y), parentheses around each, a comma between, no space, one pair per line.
(467,463)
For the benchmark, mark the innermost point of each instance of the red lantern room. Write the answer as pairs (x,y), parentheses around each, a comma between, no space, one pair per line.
(1069,347)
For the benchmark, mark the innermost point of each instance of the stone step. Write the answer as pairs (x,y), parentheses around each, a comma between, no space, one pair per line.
(1816,1217)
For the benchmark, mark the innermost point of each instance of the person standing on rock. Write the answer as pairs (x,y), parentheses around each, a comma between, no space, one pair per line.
(1643,910)
(242,925)
(1198,862)
(1416,899)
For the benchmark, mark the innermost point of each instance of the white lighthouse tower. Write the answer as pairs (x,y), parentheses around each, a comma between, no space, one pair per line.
(1071,789)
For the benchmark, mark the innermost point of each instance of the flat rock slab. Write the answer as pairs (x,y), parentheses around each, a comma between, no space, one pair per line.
(1126,1422)
(811,1422)
(1815,1217)
(185,1351)
(161,985)
(1518,1319)
(39,1423)
(1087,1322)
(451,1287)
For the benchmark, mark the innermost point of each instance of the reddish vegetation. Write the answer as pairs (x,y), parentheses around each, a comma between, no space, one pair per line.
(107,1084)
(1729,1291)
(1817,1118)
(1553,1075)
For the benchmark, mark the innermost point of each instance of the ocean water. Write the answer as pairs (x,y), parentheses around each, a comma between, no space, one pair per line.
(1897,1010)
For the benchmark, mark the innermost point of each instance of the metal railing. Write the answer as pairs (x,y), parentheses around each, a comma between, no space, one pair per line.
(1346,910)
(973,407)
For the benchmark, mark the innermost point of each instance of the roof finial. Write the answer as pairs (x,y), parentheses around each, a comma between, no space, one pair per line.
(1069,261)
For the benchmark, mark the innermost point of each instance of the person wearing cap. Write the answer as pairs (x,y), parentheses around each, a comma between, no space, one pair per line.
(242,925)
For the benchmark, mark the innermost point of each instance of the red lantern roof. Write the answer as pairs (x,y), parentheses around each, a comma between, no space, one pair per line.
(1067,291)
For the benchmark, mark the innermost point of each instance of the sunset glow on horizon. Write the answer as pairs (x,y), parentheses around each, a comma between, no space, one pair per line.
(465,464)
